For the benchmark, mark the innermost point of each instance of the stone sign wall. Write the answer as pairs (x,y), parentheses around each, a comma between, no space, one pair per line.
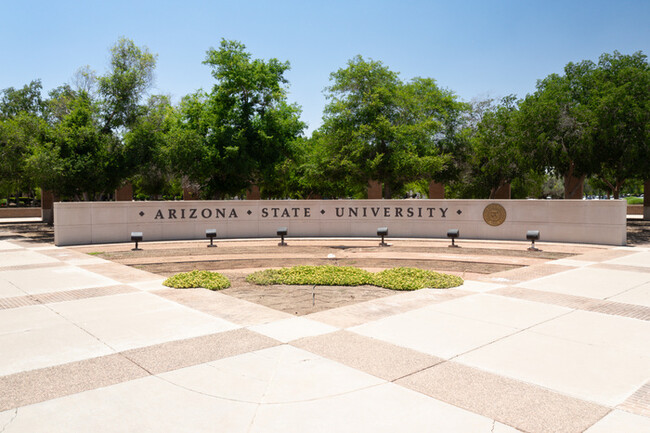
(599,222)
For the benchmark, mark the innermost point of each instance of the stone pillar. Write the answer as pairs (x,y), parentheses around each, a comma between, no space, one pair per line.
(646,200)
(503,192)
(125,193)
(436,190)
(374,190)
(253,193)
(47,206)
(573,187)
(189,194)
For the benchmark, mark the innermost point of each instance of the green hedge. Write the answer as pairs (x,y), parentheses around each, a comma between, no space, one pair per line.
(195,279)
(395,279)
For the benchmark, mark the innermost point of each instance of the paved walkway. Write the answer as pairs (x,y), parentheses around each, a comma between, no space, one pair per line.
(93,346)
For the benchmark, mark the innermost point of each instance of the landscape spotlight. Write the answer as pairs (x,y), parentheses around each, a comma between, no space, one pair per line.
(282,232)
(211,234)
(136,237)
(382,231)
(532,235)
(453,234)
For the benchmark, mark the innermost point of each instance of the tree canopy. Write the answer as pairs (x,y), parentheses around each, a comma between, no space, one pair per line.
(237,134)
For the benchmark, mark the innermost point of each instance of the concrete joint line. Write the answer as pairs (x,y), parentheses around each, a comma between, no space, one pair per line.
(4,427)
(625,291)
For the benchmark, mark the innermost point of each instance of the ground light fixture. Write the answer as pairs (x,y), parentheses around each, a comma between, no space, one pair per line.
(383,232)
(532,235)
(453,234)
(282,232)
(211,234)
(136,237)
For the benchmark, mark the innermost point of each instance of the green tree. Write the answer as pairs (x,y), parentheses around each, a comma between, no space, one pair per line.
(21,128)
(620,105)
(378,128)
(147,149)
(592,121)
(496,159)
(85,156)
(237,134)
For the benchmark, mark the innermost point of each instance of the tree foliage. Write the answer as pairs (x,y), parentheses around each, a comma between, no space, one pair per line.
(238,133)
(377,127)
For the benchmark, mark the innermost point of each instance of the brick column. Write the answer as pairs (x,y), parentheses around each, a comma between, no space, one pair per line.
(47,206)
(253,193)
(374,189)
(503,192)
(189,194)
(436,190)
(646,200)
(125,193)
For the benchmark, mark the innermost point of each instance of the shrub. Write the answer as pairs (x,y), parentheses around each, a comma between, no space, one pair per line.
(395,279)
(634,200)
(193,279)
(327,275)
(414,279)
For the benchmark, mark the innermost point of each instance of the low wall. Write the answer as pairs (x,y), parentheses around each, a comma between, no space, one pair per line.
(599,222)
(635,209)
(20,212)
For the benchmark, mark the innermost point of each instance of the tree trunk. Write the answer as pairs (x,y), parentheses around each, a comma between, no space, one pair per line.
(573,186)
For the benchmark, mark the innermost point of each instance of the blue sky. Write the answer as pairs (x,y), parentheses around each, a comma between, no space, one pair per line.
(474,48)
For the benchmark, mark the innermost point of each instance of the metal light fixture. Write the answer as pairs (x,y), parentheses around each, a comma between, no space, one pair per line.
(532,235)
(282,232)
(211,234)
(382,231)
(453,234)
(136,237)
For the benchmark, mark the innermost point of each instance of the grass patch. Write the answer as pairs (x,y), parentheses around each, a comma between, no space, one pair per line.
(95,253)
(195,279)
(329,275)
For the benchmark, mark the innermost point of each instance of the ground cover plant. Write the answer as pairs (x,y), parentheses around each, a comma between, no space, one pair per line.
(195,279)
(396,278)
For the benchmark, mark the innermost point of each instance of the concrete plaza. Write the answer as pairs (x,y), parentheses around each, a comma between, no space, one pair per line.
(88,345)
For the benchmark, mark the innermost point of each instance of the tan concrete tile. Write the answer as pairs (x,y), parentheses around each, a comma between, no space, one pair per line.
(615,332)
(589,282)
(138,319)
(527,407)
(369,355)
(293,328)
(386,408)
(434,333)
(619,421)
(516,276)
(639,402)
(34,337)
(636,296)
(34,386)
(183,353)
(9,290)
(121,273)
(500,310)
(578,369)
(23,257)
(54,279)
(280,374)
(604,255)
(232,309)
(640,259)
(149,404)
(363,312)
